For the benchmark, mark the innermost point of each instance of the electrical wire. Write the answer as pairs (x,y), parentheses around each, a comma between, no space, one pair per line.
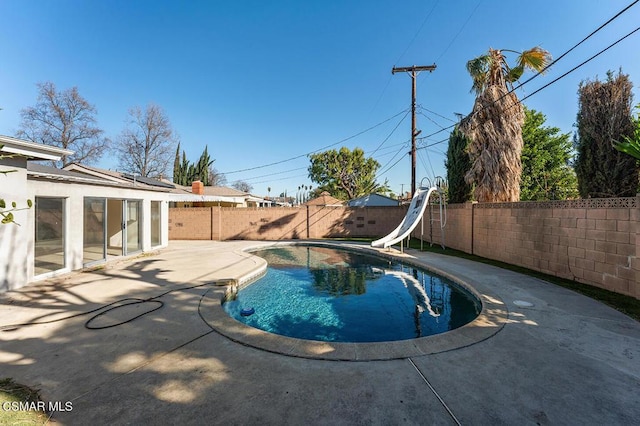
(392,132)
(439,115)
(430,119)
(576,45)
(417,32)
(583,63)
(555,62)
(319,149)
(460,31)
(443,129)
(382,171)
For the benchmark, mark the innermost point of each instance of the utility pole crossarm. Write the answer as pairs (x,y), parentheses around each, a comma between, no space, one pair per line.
(414,68)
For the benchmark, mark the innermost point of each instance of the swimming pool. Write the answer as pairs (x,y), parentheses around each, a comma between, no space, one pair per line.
(334,295)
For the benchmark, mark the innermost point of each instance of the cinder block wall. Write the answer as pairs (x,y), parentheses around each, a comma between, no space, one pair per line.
(591,241)
(190,223)
(457,231)
(595,241)
(228,223)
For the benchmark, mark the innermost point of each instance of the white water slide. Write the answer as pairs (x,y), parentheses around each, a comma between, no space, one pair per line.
(410,221)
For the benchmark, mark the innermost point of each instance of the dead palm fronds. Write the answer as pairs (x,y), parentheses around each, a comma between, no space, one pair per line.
(495,124)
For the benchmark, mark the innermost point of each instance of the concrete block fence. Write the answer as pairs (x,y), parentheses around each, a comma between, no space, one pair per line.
(592,241)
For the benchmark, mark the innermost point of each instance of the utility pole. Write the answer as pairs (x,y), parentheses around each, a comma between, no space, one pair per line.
(413,72)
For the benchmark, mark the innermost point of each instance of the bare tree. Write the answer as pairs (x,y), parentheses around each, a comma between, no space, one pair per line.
(146,145)
(216,178)
(243,186)
(66,120)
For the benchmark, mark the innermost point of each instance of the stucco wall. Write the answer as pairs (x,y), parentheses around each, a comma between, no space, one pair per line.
(14,240)
(73,195)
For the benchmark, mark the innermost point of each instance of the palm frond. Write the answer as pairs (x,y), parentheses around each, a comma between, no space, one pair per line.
(536,59)
(629,146)
(478,69)
(514,74)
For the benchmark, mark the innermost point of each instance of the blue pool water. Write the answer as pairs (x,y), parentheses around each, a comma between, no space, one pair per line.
(327,294)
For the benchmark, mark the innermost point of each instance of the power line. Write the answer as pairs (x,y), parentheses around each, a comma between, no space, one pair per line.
(583,63)
(250,179)
(317,150)
(418,32)
(576,45)
(562,76)
(384,90)
(451,126)
(430,119)
(402,148)
(382,172)
(439,115)
(392,132)
(460,31)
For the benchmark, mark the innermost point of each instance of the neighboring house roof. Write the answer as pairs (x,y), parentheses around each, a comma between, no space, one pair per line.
(213,194)
(372,200)
(177,193)
(325,199)
(32,150)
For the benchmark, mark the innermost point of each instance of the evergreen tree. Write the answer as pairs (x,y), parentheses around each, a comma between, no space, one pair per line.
(176,166)
(604,117)
(201,168)
(546,173)
(458,164)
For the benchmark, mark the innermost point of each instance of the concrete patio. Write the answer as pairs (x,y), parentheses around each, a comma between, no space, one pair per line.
(565,360)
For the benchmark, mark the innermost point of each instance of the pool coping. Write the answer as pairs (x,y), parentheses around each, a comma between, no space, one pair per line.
(492,318)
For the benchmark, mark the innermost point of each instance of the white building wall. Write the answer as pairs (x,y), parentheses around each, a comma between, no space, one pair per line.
(74,195)
(14,237)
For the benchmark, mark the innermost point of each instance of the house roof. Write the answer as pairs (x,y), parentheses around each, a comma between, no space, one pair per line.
(32,150)
(178,193)
(39,171)
(373,200)
(116,176)
(325,199)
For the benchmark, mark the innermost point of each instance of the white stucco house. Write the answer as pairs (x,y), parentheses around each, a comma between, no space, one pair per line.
(77,219)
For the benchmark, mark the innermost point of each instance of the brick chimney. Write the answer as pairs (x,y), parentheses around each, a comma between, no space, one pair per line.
(197,187)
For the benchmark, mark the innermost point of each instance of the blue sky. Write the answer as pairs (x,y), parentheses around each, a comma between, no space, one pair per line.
(262,82)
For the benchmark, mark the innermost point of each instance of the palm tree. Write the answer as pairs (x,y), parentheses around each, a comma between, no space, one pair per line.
(495,124)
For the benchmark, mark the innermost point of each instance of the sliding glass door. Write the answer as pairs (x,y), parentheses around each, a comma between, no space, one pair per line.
(133,225)
(94,230)
(112,227)
(49,235)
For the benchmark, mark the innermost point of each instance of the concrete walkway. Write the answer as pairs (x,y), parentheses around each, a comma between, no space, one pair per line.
(565,360)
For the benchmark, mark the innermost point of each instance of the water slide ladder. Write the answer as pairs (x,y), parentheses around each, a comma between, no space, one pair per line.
(414,215)
(441,219)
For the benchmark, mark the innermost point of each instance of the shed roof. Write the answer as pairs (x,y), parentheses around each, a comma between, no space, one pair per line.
(325,199)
